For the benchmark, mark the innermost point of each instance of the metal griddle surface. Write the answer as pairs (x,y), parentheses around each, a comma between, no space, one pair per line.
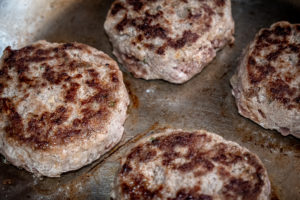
(204,102)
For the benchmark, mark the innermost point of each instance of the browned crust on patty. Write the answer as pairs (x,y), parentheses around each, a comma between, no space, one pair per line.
(43,129)
(270,47)
(197,159)
(167,39)
(144,24)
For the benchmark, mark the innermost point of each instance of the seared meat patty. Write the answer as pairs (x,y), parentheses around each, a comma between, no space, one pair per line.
(267,82)
(176,164)
(61,106)
(168,39)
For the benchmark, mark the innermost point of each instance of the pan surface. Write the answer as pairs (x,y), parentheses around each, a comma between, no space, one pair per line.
(205,102)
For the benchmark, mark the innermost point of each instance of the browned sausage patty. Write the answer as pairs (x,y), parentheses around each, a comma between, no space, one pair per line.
(61,106)
(267,83)
(176,164)
(168,39)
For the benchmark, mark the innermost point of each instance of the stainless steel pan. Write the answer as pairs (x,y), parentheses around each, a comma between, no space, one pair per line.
(204,102)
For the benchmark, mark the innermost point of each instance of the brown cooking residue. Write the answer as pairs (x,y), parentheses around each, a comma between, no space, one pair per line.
(7,181)
(273,195)
(133,98)
(65,187)
(73,189)
(154,126)
(277,144)
(274,192)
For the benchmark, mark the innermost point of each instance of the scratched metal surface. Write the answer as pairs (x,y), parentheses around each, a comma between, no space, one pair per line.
(203,102)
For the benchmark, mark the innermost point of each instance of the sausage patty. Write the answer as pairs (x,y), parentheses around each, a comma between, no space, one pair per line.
(168,39)
(177,164)
(266,84)
(61,106)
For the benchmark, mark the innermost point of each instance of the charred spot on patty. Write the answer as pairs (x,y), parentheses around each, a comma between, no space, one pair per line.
(120,26)
(180,153)
(41,130)
(116,8)
(187,37)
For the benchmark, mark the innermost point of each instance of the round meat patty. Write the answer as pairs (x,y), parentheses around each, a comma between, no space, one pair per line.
(266,84)
(176,164)
(168,39)
(61,106)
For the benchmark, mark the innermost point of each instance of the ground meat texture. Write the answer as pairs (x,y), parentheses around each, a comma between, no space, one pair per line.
(266,83)
(169,40)
(57,100)
(176,164)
